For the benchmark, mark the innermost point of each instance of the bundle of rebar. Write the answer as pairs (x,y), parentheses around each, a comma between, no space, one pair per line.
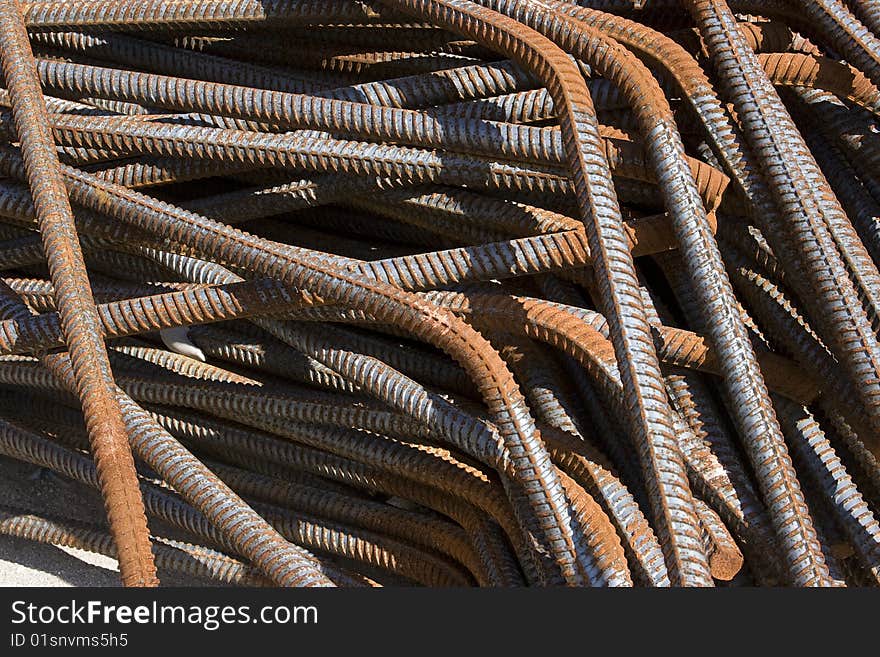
(446,292)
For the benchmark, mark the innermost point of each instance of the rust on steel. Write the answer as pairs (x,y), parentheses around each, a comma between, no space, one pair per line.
(446,292)
(76,307)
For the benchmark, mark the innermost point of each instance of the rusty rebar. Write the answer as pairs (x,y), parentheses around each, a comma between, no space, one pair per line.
(447,292)
(73,299)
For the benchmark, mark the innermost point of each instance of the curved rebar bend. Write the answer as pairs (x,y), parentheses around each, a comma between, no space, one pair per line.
(477,439)
(395,331)
(205,306)
(305,113)
(376,381)
(436,326)
(843,322)
(714,463)
(285,564)
(756,420)
(649,409)
(821,295)
(205,432)
(382,386)
(573,453)
(742,377)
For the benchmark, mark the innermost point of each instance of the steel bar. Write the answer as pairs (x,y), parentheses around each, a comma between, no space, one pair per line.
(446,292)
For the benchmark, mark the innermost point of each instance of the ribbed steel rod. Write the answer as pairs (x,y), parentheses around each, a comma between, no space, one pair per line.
(75,304)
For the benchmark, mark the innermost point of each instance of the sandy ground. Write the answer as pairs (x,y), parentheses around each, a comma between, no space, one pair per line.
(26,563)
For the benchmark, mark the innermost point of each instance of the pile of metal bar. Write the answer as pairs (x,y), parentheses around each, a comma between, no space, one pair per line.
(447,292)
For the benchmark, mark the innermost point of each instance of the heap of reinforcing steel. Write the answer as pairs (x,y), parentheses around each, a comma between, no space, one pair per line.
(446,292)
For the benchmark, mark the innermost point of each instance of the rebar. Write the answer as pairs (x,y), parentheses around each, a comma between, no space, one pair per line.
(446,292)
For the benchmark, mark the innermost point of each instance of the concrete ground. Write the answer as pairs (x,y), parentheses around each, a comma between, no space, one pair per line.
(27,563)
